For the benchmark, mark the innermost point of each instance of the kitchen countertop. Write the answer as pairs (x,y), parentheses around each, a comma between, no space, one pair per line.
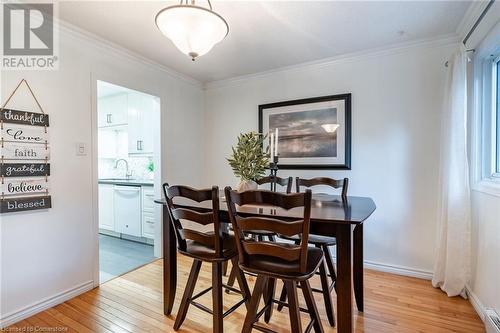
(127,182)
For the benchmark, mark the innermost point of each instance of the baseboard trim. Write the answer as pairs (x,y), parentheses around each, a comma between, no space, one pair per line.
(476,303)
(399,270)
(45,304)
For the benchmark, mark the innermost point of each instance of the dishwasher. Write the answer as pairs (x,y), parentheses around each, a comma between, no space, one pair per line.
(127,208)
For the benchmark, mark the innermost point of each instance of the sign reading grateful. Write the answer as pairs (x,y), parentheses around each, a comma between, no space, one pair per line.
(24,167)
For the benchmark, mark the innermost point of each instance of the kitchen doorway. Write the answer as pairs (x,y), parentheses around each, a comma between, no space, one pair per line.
(128,154)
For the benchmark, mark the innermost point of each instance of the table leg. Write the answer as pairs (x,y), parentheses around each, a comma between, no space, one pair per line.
(358,266)
(169,263)
(344,285)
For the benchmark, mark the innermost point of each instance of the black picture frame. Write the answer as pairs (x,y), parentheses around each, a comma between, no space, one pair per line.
(348,124)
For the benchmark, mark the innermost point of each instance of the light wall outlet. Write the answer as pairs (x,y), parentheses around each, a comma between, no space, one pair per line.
(81,149)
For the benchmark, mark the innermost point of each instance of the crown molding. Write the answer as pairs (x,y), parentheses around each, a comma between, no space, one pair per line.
(73,31)
(443,40)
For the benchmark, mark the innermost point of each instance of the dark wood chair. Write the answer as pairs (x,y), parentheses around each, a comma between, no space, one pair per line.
(270,260)
(259,234)
(322,243)
(285,182)
(215,246)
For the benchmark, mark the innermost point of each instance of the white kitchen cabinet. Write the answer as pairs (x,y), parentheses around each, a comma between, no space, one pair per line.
(140,124)
(112,110)
(148,212)
(127,210)
(106,207)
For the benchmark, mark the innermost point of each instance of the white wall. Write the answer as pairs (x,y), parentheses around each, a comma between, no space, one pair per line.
(485,283)
(396,107)
(47,253)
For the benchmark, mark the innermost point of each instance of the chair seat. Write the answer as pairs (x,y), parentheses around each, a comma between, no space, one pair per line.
(282,269)
(203,252)
(315,239)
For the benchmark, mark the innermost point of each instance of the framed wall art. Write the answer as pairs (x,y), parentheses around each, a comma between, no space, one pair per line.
(314,133)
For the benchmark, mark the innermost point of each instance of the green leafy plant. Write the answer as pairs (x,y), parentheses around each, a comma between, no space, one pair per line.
(151,166)
(248,160)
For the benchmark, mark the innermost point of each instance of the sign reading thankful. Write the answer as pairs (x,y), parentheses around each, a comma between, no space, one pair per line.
(24,118)
(24,158)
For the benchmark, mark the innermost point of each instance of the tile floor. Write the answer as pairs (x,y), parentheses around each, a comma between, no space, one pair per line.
(118,256)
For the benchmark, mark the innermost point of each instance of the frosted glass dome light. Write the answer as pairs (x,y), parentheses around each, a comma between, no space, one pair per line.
(194,30)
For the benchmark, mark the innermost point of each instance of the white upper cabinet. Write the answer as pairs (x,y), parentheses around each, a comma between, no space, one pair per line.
(113,110)
(140,124)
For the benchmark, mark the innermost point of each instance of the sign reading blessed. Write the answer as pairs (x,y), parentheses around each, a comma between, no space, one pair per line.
(10,205)
(24,158)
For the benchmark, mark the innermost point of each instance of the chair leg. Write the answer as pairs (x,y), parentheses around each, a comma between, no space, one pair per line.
(224,268)
(188,292)
(268,298)
(218,311)
(282,298)
(331,266)
(242,281)
(326,294)
(293,303)
(258,289)
(311,306)
(232,277)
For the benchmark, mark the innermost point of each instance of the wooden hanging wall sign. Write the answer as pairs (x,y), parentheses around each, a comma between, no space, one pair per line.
(24,158)
(24,169)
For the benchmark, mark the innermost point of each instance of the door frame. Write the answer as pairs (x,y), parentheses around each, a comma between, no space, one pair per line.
(147,88)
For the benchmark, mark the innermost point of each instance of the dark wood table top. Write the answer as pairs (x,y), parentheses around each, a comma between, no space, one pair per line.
(325,208)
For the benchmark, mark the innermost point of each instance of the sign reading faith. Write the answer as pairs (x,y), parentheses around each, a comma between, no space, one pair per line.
(24,169)
(24,118)
(16,186)
(22,151)
(10,205)
(25,134)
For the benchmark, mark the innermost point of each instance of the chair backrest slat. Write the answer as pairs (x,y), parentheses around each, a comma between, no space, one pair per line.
(198,236)
(277,226)
(191,215)
(274,249)
(286,182)
(335,183)
(287,253)
(178,213)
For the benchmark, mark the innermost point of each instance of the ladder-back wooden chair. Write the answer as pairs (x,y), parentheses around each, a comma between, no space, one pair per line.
(294,264)
(323,243)
(215,246)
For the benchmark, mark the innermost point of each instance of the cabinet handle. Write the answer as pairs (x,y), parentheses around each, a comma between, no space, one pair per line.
(108,118)
(139,145)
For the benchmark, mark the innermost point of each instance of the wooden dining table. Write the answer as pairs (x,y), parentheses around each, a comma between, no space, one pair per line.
(330,216)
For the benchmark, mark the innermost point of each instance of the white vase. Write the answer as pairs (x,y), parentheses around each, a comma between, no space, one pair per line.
(246,185)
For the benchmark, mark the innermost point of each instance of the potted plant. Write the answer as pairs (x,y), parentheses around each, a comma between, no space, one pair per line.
(248,160)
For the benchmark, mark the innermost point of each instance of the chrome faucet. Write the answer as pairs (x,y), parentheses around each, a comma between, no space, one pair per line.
(128,174)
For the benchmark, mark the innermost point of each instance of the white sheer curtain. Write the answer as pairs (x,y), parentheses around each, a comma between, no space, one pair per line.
(452,266)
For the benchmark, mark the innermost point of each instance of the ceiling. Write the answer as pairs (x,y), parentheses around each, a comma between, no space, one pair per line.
(265,35)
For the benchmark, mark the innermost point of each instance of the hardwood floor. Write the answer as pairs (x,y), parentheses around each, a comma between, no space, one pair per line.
(133,303)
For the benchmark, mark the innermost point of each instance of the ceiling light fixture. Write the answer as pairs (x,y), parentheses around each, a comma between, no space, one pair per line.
(193,29)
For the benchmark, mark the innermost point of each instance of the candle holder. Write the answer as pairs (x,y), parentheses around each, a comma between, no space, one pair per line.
(273,167)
